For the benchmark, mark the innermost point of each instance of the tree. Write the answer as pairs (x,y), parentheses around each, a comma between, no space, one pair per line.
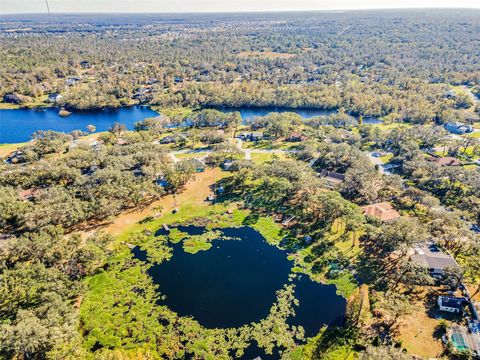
(91,128)
(383,353)
(117,129)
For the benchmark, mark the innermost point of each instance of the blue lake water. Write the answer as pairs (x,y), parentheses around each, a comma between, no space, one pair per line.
(235,283)
(18,125)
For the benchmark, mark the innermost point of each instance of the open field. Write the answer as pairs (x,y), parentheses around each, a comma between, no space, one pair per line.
(265,55)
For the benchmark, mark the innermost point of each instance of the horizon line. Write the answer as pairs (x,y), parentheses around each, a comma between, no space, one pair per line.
(249,11)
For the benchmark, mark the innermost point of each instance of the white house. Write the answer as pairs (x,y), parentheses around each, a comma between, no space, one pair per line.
(450,304)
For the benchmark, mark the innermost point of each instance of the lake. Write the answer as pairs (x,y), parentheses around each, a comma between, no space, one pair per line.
(249,113)
(235,283)
(18,125)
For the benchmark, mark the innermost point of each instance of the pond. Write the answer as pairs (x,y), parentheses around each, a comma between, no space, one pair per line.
(235,283)
(18,125)
(249,113)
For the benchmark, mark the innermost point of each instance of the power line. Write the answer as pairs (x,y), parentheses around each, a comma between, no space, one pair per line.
(48,8)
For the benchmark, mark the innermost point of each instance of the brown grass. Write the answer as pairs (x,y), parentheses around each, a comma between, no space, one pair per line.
(195,192)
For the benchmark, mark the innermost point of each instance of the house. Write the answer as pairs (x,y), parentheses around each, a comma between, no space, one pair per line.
(54,98)
(227,165)
(72,80)
(445,161)
(296,137)
(253,136)
(431,257)
(85,64)
(12,99)
(29,194)
(458,128)
(451,304)
(197,165)
(382,211)
(168,140)
(333,178)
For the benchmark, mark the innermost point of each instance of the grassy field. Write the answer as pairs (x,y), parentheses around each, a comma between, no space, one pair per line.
(262,157)
(6,149)
(265,55)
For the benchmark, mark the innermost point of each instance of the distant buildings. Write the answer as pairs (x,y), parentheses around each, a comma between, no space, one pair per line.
(85,64)
(54,98)
(382,211)
(253,136)
(458,128)
(431,257)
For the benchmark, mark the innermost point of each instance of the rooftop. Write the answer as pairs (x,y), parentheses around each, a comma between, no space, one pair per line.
(383,211)
(431,256)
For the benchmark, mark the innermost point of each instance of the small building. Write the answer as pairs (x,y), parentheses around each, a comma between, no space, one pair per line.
(432,258)
(54,98)
(458,128)
(227,165)
(197,165)
(296,137)
(382,211)
(333,178)
(12,99)
(178,79)
(168,140)
(85,64)
(445,161)
(72,80)
(451,304)
(253,136)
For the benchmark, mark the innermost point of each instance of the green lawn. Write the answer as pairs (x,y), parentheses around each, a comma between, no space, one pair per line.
(259,158)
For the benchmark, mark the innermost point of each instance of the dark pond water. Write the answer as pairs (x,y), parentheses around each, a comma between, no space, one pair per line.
(18,125)
(234,283)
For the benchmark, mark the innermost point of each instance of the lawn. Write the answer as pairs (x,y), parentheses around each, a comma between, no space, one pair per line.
(7,149)
(262,157)
(386,158)
(191,155)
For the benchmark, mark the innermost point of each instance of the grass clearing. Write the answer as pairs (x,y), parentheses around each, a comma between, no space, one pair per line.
(262,157)
(265,55)
(7,149)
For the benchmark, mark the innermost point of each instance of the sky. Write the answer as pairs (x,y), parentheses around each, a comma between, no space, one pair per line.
(157,6)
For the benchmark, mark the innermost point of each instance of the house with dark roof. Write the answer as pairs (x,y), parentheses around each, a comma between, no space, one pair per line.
(435,260)
(12,99)
(168,140)
(451,304)
(333,178)
(85,64)
(382,211)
